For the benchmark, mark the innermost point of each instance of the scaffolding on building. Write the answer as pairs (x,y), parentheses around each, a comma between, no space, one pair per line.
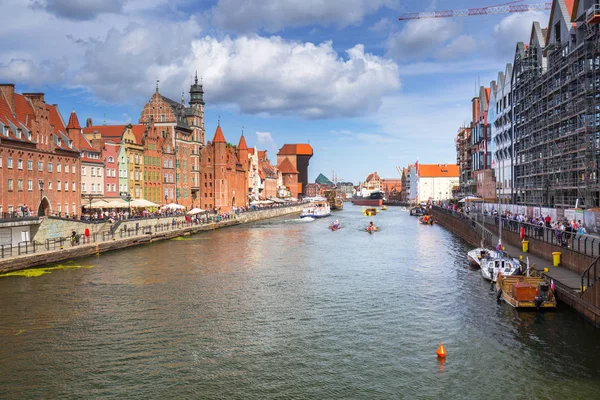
(557,122)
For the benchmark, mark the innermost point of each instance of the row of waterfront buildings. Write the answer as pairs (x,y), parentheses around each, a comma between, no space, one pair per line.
(49,167)
(534,136)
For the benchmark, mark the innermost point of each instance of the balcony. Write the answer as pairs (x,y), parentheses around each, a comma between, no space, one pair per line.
(593,14)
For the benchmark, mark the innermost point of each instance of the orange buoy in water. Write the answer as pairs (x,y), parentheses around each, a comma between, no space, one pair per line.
(441,351)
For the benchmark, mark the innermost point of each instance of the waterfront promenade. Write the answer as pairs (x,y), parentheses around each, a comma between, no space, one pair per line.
(575,278)
(156,229)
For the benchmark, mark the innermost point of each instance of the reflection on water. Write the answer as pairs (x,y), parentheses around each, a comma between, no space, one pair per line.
(287,308)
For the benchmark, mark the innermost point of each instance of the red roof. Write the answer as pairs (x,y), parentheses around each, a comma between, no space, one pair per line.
(114,132)
(242,144)
(219,137)
(73,121)
(55,119)
(286,167)
(251,151)
(296,149)
(439,170)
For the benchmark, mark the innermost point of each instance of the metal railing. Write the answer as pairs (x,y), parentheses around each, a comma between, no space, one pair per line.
(583,244)
(590,276)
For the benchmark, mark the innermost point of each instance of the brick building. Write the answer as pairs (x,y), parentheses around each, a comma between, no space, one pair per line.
(33,142)
(175,133)
(224,178)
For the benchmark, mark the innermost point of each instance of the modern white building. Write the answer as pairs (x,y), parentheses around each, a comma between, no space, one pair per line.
(436,181)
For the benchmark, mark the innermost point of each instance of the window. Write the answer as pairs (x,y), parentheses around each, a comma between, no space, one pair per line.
(57,185)
(40,166)
(73,209)
(107,171)
(73,186)
(30,165)
(49,185)
(10,185)
(49,167)
(40,184)
(83,171)
(114,187)
(9,162)
(58,208)
(20,164)
(66,186)
(162,118)
(93,187)
(99,172)
(83,187)
(170,163)
(66,168)
(20,184)
(111,159)
(72,169)
(30,185)
(93,171)
(177,177)
(58,167)
(108,187)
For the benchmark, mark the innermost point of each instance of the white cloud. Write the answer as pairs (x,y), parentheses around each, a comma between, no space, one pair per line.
(46,72)
(118,61)
(420,38)
(458,47)
(78,10)
(512,29)
(274,15)
(265,140)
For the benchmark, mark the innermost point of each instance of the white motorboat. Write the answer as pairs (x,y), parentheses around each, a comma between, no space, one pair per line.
(479,255)
(316,209)
(491,266)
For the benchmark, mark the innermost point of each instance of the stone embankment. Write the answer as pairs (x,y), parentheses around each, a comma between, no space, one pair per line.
(129,233)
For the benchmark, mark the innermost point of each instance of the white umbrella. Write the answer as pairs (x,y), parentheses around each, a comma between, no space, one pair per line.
(255,202)
(470,198)
(174,206)
(140,203)
(96,204)
(116,203)
(195,211)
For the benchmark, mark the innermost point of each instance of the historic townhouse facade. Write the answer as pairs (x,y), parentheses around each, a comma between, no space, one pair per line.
(34,141)
(224,174)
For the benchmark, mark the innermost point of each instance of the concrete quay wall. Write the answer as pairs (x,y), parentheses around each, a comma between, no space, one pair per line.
(69,252)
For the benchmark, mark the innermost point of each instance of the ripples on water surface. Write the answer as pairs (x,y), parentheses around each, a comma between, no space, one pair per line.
(287,309)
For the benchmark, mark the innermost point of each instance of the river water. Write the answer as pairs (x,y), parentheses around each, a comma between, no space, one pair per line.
(287,309)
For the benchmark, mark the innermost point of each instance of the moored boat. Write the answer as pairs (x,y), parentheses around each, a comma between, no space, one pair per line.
(316,209)
(491,267)
(479,255)
(375,199)
(531,292)
(426,220)
(369,212)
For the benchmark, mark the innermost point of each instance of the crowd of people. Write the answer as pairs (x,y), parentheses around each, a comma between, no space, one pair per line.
(564,229)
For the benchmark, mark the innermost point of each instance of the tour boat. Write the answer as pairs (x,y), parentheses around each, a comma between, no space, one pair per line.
(490,267)
(316,209)
(416,211)
(525,292)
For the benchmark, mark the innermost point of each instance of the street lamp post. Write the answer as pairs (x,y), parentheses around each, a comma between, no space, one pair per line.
(41,183)
(128,198)
(90,197)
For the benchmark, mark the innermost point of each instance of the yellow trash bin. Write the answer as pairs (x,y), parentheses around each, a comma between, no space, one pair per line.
(556,258)
(525,244)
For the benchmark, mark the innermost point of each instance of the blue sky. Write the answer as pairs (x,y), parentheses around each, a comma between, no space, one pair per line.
(367,91)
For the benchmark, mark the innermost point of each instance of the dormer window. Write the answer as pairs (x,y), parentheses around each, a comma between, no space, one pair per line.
(111,160)
(18,134)
(5,130)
